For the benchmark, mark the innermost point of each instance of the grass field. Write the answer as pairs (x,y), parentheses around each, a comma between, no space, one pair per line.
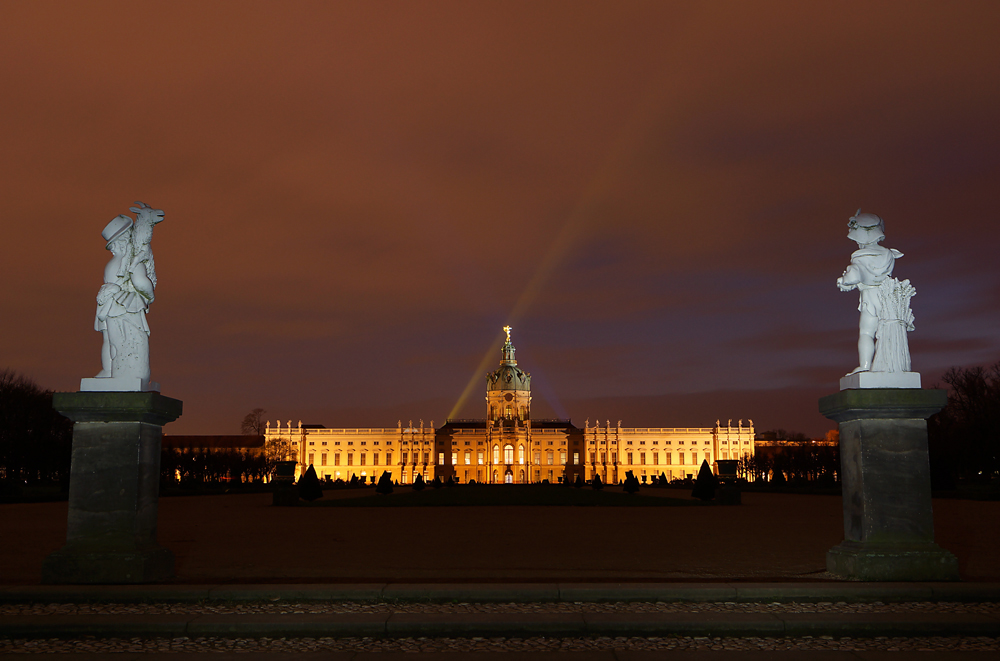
(505,495)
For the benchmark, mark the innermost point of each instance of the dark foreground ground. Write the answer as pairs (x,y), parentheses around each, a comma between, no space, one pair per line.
(243,539)
(583,582)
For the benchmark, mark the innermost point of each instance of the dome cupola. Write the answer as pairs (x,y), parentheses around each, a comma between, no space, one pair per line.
(508,388)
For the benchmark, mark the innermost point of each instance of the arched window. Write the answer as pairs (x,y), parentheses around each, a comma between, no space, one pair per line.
(496,454)
(520,455)
(508,412)
(508,454)
(521,413)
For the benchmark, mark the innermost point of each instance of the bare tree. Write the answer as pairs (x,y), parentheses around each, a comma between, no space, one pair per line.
(253,423)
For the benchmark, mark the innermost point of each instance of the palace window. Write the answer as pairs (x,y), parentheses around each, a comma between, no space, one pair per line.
(642,442)
(404,457)
(538,458)
(375,459)
(468,457)
(336,442)
(350,442)
(440,458)
(482,458)
(680,458)
(336,458)
(454,458)
(427,458)
(496,454)
(322,459)
(642,458)
(364,456)
(312,442)
(362,442)
(628,456)
(508,454)
(520,454)
(312,458)
(324,442)
(548,457)
(656,458)
(562,457)
(576,458)
(388,457)
(614,457)
(604,457)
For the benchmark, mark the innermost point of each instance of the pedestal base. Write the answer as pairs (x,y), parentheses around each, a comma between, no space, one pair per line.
(895,562)
(78,566)
(880,380)
(886,484)
(118,384)
(113,489)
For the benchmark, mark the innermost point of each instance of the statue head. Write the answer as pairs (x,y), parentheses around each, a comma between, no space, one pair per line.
(118,226)
(865,228)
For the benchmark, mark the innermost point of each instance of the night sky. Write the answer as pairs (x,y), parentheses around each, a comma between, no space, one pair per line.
(359,196)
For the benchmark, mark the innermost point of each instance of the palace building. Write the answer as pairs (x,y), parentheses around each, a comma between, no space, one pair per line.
(508,446)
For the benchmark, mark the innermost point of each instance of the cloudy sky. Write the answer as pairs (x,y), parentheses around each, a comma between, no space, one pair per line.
(359,195)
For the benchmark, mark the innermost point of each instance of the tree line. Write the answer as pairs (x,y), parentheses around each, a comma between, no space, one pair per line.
(35,441)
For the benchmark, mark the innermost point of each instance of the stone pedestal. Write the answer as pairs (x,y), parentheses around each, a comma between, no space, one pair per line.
(113,489)
(888,522)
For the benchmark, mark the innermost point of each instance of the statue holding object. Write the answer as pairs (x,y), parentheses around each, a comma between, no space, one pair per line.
(122,302)
(883,351)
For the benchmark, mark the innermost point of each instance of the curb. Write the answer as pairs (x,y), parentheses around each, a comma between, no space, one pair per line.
(848,592)
(552,625)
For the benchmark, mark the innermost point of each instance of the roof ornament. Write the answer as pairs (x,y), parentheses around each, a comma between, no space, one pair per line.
(507,329)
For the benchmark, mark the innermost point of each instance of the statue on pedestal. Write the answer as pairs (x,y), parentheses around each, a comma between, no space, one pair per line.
(885,308)
(122,302)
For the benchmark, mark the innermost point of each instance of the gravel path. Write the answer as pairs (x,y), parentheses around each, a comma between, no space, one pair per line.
(314,608)
(298,645)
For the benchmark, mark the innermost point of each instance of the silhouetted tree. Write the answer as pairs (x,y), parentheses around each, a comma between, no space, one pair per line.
(384,485)
(596,483)
(631,484)
(663,480)
(418,483)
(35,441)
(579,481)
(354,483)
(253,422)
(309,487)
(705,485)
(778,479)
(450,482)
(436,482)
(964,438)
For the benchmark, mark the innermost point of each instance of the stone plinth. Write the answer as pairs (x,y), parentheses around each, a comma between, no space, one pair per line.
(113,489)
(909,380)
(888,522)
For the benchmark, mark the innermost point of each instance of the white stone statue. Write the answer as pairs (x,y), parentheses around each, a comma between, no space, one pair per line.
(122,302)
(883,351)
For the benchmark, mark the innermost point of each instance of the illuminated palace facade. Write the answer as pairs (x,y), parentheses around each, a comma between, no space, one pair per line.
(508,446)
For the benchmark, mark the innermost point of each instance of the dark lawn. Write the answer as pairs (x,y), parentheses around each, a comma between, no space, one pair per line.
(479,495)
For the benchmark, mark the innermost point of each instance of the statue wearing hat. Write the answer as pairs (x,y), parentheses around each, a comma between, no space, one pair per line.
(885,301)
(122,302)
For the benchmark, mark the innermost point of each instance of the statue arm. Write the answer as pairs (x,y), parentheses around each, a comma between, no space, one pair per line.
(850,279)
(141,282)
